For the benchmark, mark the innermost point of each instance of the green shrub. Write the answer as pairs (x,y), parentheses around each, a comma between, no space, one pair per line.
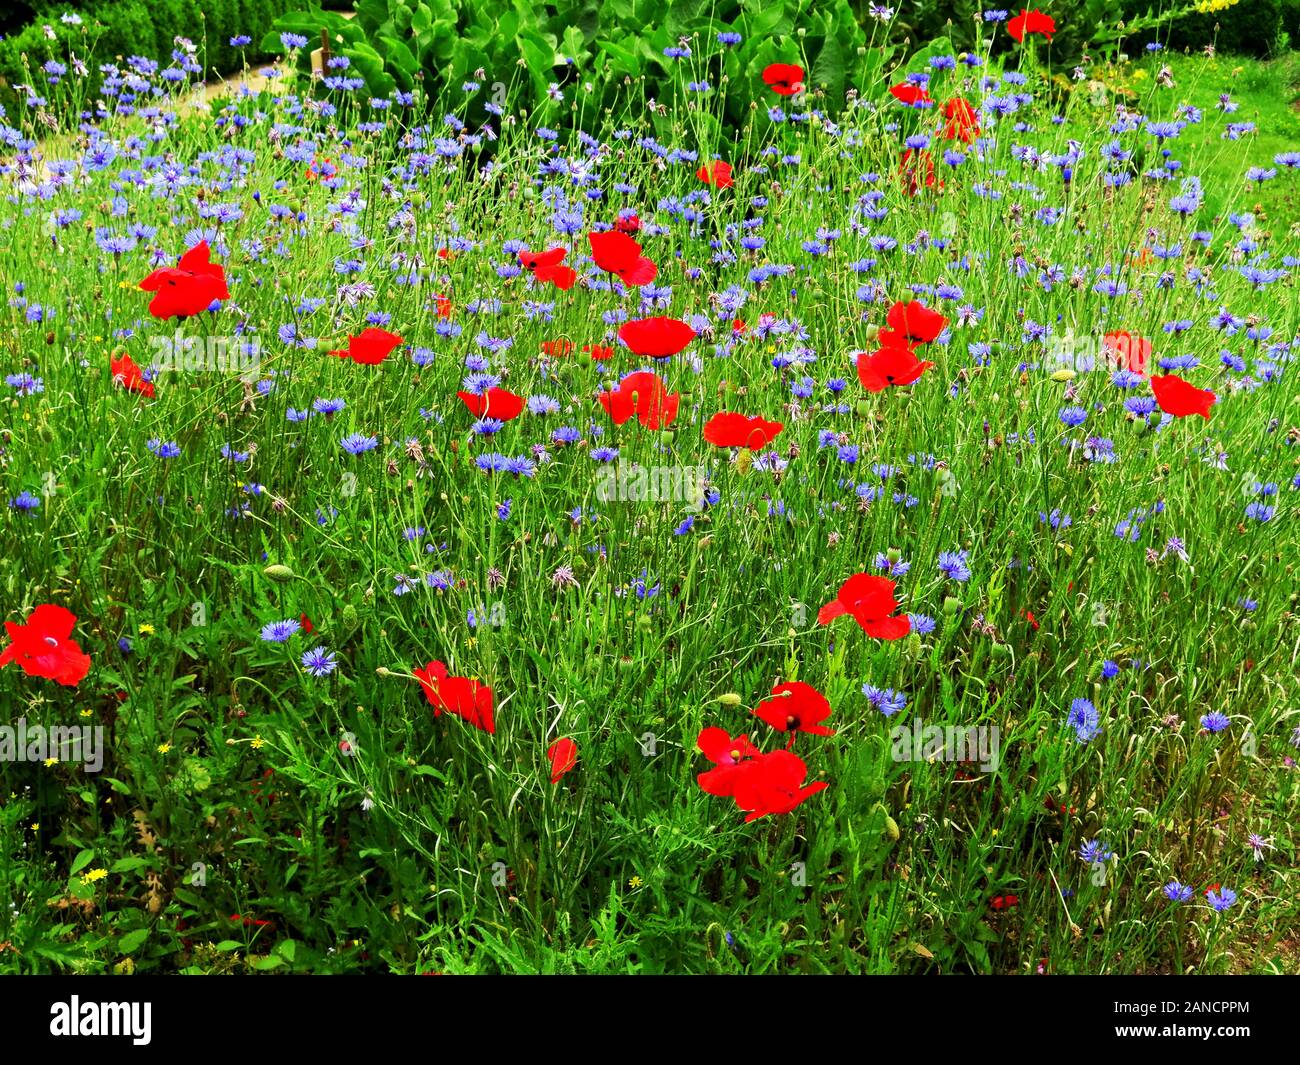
(113,28)
(1291,21)
(1249,27)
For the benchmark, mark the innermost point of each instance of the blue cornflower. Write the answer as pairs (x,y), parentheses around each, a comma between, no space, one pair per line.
(319,662)
(279,631)
(953,565)
(1084,719)
(358,443)
(887,700)
(1095,851)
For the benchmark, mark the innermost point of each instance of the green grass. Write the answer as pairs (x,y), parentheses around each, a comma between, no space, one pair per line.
(228,832)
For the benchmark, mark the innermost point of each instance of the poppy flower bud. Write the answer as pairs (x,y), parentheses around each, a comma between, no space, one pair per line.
(1064,375)
(743,461)
(891,828)
(871,332)
(279,573)
(666,437)
(913,645)
(864,409)
(729,699)
(383,671)
(951,605)
(894,555)
(349,616)
(1001,650)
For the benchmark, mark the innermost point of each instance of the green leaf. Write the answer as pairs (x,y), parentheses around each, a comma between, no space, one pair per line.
(83,859)
(271,961)
(133,941)
(230,944)
(828,71)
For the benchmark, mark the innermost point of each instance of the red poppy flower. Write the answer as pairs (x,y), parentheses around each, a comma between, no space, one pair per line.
(628,223)
(1126,351)
(961,122)
(251,922)
(563,754)
(917,169)
(1004,902)
(889,366)
(729,757)
(1179,398)
(796,707)
(599,352)
(720,748)
(557,348)
(738,326)
(870,601)
(494,403)
(617,253)
(730,429)
(127,374)
(370,347)
(466,698)
(320,168)
(912,95)
(911,323)
(774,784)
(549,266)
(784,79)
(307,627)
(644,395)
(1031,22)
(443,303)
(43,646)
(716,173)
(659,338)
(189,288)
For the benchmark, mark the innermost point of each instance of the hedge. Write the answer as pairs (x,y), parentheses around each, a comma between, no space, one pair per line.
(122,28)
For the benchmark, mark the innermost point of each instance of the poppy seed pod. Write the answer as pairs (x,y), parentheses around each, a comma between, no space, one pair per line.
(729,699)
(951,605)
(279,573)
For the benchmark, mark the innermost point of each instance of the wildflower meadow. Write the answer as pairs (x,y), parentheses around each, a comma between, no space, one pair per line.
(789,510)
